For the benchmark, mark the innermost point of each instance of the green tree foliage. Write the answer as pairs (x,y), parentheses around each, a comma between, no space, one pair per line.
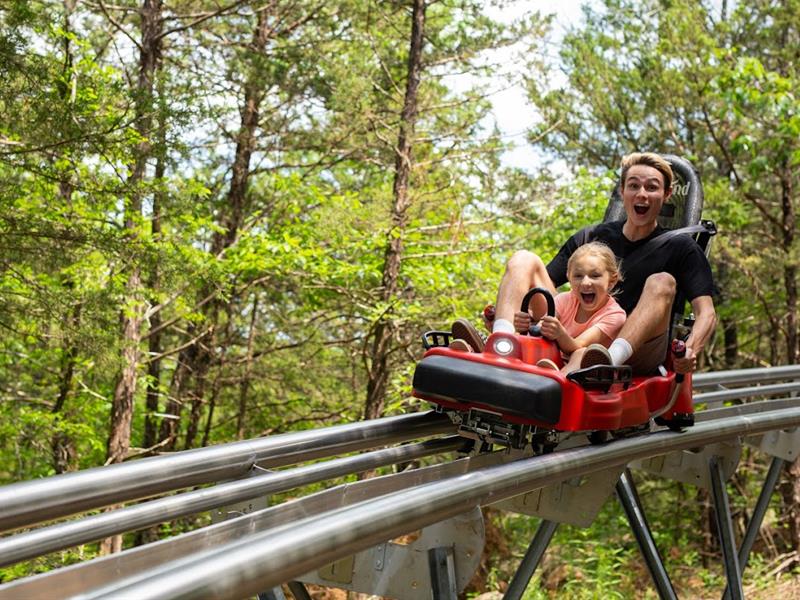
(243,174)
(719,89)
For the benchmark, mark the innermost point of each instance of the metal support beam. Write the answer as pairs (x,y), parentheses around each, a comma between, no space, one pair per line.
(626,492)
(442,567)
(299,591)
(722,511)
(531,560)
(757,517)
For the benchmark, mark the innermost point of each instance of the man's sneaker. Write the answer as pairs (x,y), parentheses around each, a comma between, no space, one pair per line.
(595,354)
(464,330)
(460,346)
(546,363)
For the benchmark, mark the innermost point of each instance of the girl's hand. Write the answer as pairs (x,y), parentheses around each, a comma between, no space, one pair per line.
(552,328)
(522,322)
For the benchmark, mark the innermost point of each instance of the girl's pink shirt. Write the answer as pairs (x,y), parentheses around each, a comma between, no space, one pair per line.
(609,318)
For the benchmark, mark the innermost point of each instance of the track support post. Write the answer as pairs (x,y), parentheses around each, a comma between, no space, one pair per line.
(757,517)
(442,566)
(629,499)
(727,543)
(531,560)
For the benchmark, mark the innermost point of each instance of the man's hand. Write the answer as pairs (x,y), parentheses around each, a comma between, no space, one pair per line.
(552,328)
(687,364)
(522,322)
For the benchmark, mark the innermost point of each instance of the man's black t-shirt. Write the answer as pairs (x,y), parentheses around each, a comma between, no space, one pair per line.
(680,256)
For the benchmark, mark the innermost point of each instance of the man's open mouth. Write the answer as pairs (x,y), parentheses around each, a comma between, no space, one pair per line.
(588,298)
(641,209)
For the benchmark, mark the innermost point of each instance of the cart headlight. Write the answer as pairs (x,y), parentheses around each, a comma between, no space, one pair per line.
(503,344)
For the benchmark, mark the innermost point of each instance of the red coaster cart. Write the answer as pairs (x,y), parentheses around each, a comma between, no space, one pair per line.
(499,395)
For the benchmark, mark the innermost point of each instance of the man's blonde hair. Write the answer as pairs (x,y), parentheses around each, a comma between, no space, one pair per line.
(651,159)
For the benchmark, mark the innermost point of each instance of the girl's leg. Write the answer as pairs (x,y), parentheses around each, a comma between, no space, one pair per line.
(574,362)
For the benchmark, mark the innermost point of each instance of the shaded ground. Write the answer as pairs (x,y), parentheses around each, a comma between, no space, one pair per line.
(784,589)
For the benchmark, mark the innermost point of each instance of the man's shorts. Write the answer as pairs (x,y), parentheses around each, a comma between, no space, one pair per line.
(646,360)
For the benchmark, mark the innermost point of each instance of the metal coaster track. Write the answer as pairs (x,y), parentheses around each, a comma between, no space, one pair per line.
(259,550)
(31,502)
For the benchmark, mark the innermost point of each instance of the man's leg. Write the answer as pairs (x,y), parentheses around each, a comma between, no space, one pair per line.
(649,319)
(524,270)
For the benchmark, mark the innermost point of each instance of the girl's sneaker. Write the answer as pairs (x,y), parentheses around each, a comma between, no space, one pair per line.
(464,330)
(546,363)
(595,354)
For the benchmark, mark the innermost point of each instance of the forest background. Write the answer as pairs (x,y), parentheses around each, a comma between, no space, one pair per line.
(226,219)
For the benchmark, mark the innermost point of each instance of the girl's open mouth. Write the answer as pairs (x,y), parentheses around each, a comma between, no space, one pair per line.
(588,297)
(641,209)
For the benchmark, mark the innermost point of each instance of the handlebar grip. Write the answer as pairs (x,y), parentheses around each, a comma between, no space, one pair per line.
(489,313)
(535,330)
(551,304)
(679,351)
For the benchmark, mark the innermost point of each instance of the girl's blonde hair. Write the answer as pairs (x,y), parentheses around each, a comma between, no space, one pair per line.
(604,253)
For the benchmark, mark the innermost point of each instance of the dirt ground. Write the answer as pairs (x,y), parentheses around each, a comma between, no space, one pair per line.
(785,590)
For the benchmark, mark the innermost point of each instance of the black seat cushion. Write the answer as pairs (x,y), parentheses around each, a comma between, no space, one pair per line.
(510,391)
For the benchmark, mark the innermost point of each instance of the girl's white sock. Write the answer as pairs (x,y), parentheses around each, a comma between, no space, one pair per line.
(503,326)
(620,351)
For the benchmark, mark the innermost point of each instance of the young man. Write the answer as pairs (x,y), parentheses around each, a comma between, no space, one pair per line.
(651,277)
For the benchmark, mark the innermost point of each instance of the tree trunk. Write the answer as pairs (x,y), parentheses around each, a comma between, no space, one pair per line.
(790,494)
(62,446)
(729,325)
(378,375)
(731,339)
(125,390)
(791,488)
(244,384)
(170,425)
(196,359)
(153,392)
(119,438)
(789,222)
(218,383)
(197,394)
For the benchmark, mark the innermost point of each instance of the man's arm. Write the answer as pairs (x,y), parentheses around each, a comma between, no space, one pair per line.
(705,321)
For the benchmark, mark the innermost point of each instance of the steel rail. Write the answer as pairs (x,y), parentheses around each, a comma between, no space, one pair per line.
(72,579)
(264,560)
(736,376)
(28,502)
(748,408)
(63,535)
(746,392)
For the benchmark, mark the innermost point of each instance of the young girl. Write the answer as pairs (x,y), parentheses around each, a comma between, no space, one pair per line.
(587,314)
